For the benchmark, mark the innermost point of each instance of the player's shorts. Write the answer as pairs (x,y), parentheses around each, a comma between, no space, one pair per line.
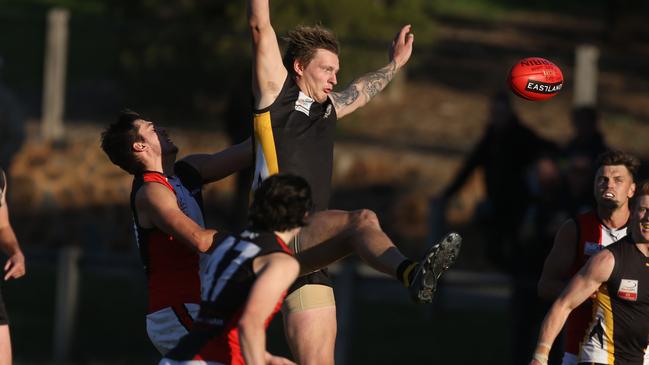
(168,325)
(4,319)
(569,359)
(311,291)
(187,362)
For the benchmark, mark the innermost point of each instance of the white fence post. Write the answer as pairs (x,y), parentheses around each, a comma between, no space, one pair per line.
(54,74)
(585,92)
(67,289)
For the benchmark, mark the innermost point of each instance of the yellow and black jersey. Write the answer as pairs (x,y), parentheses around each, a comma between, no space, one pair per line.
(619,330)
(295,135)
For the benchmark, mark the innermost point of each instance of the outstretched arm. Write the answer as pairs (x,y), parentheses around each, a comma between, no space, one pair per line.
(216,166)
(15,266)
(596,272)
(363,89)
(268,71)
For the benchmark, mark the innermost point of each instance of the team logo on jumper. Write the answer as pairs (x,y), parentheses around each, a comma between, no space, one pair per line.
(628,290)
(542,87)
(591,248)
(303,103)
(327,112)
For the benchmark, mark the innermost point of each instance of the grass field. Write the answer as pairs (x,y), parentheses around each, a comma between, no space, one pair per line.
(110,326)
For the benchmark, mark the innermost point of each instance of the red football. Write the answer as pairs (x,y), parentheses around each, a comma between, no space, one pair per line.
(535,78)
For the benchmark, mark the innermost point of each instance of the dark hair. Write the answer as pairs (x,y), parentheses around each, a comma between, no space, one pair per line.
(118,138)
(616,157)
(304,41)
(643,189)
(281,203)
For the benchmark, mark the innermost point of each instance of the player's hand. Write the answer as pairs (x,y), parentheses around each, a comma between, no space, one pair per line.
(15,266)
(402,46)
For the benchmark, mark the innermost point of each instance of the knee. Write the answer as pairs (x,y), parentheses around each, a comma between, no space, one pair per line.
(365,218)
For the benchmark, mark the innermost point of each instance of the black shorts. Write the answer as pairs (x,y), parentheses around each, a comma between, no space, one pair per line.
(4,319)
(320,277)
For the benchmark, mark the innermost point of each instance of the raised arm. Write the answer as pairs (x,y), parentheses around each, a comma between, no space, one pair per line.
(15,266)
(588,280)
(216,166)
(268,71)
(556,269)
(363,89)
(157,207)
(275,273)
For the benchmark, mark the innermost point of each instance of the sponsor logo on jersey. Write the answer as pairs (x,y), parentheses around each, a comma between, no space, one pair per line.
(628,290)
(303,103)
(591,248)
(542,87)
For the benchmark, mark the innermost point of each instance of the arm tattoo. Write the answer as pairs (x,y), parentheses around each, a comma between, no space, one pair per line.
(372,83)
(347,97)
(369,85)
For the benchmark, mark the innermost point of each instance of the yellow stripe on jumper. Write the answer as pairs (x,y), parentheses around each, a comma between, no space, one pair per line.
(264,137)
(604,302)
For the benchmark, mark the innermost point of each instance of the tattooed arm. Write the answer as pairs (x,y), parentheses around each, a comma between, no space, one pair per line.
(363,89)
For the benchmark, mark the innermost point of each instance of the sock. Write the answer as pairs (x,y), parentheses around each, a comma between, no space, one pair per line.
(405,271)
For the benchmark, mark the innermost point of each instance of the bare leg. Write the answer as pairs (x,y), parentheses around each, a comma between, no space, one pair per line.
(5,345)
(333,234)
(311,334)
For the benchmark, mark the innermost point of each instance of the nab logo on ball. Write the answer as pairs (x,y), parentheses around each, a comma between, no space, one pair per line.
(535,78)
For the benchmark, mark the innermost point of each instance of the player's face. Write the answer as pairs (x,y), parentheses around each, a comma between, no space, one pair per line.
(156,137)
(319,76)
(613,186)
(640,219)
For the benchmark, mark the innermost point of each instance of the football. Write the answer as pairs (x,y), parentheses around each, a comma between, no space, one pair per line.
(535,78)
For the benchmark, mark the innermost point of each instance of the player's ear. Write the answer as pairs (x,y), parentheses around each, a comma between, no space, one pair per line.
(298,68)
(631,191)
(139,146)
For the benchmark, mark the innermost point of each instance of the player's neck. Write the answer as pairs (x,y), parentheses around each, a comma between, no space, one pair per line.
(287,236)
(168,163)
(164,166)
(614,218)
(304,88)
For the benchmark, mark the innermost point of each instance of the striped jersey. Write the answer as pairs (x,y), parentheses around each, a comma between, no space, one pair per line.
(227,280)
(171,267)
(618,332)
(295,135)
(592,237)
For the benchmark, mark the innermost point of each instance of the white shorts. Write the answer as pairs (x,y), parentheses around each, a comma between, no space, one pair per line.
(569,359)
(187,362)
(168,325)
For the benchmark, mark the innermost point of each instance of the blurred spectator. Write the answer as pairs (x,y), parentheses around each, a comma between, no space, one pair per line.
(12,124)
(548,209)
(579,157)
(588,140)
(506,152)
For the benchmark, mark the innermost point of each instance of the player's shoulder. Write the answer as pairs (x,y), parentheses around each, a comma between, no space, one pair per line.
(152,193)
